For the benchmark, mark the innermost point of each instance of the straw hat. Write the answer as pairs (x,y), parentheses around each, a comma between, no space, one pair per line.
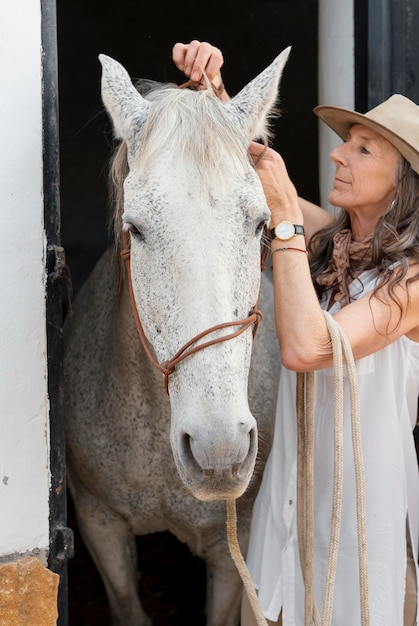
(395,119)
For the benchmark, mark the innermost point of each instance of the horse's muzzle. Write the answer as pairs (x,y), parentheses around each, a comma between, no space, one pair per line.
(217,471)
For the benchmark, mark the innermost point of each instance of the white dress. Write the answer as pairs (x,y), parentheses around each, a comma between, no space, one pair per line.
(389,389)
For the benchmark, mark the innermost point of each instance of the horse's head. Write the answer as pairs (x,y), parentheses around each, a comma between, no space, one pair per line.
(195,211)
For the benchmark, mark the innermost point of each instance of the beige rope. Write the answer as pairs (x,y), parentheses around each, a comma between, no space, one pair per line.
(359,475)
(238,559)
(305,417)
(305,490)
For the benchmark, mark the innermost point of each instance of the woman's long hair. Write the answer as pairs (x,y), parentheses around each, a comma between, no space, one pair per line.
(395,238)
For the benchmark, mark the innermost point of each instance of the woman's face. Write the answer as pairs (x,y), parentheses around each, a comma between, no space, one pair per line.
(366,170)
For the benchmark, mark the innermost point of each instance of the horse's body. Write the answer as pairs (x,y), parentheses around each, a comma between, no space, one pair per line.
(139,460)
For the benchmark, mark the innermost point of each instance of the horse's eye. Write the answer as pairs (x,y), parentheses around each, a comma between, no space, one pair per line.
(260,227)
(133,230)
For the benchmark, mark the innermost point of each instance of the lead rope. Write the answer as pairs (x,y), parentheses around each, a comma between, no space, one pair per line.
(240,563)
(305,481)
(305,490)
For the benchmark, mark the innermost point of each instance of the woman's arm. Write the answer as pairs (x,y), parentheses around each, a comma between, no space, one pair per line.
(371,323)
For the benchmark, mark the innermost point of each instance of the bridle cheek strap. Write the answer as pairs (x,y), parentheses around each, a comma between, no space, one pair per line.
(167,367)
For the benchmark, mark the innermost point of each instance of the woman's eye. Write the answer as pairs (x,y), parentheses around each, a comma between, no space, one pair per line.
(364,150)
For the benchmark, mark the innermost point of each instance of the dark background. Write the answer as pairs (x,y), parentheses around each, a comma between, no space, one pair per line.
(141,34)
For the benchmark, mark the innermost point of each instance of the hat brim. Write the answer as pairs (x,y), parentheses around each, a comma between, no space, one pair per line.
(340,120)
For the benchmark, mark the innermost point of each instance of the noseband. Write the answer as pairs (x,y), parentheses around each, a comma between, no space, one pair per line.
(167,367)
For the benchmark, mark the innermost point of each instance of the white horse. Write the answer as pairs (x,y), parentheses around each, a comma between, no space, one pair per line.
(141,460)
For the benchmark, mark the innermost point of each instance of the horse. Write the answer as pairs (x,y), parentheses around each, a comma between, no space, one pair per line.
(142,458)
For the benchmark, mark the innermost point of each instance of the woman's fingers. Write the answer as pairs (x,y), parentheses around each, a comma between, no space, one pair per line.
(197,57)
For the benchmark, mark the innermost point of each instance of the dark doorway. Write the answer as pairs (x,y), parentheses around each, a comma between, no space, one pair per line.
(141,35)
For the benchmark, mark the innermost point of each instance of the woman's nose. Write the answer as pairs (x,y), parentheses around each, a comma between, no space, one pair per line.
(338,154)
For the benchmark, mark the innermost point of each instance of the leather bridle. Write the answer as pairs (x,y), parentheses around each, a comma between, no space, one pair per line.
(167,367)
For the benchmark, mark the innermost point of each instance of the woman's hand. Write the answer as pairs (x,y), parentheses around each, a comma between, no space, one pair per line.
(195,58)
(280,192)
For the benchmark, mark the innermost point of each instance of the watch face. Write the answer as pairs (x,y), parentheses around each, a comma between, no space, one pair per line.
(285,230)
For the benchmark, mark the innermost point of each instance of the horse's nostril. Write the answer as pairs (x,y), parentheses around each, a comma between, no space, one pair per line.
(186,446)
(189,461)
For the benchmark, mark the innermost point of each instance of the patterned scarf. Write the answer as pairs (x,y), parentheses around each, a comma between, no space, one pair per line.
(350,258)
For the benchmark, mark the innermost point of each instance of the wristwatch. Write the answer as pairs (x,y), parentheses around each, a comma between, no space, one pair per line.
(285,231)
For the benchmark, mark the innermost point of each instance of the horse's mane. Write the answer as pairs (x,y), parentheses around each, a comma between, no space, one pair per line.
(192,124)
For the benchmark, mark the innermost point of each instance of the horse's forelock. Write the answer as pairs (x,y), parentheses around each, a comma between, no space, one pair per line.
(193,125)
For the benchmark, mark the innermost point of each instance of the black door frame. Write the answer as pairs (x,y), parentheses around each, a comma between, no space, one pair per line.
(61,537)
(386,51)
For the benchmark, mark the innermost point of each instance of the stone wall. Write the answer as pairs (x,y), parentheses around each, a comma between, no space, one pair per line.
(28,594)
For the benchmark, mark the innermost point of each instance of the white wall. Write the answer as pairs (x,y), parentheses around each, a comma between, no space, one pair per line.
(336,78)
(24,434)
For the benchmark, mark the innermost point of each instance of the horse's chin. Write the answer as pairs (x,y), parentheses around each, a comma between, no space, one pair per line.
(205,495)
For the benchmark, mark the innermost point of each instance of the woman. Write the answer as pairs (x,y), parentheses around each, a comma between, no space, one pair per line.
(363,268)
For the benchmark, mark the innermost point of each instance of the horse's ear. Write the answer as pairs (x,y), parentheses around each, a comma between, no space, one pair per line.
(251,107)
(126,107)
